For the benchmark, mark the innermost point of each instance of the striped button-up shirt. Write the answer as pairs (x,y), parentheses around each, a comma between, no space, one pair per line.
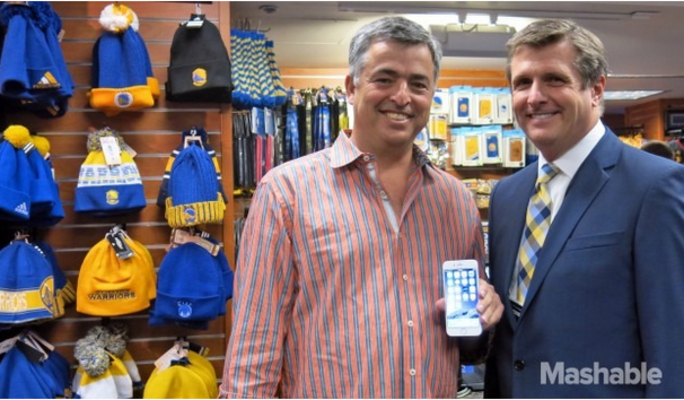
(335,295)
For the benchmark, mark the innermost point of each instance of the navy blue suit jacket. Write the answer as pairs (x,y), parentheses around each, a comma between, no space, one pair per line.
(608,288)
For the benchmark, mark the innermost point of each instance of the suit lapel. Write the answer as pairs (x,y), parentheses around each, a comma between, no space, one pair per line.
(586,184)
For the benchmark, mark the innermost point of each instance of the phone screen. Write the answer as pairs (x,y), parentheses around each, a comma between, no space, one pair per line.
(461,280)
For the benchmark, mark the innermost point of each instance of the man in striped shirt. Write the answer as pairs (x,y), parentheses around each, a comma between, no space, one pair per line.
(338,273)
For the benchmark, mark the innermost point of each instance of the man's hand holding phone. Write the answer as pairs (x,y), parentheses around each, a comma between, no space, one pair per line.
(470,303)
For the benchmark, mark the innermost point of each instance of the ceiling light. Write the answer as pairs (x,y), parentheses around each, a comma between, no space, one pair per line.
(493,17)
(477,19)
(629,94)
(472,40)
(418,8)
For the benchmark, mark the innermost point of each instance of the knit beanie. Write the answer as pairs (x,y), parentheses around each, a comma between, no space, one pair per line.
(114,338)
(100,374)
(33,74)
(108,189)
(27,284)
(189,285)
(196,134)
(181,380)
(36,362)
(19,379)
(110,286)
(41,184)
(121,76)
(199,70)
(194,194)
(15,202)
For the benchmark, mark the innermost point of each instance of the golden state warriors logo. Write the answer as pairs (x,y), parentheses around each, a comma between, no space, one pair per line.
(47,294)
(112,197)
(184,309)
(190,215)
(199,77)
(437,103)
(123,99)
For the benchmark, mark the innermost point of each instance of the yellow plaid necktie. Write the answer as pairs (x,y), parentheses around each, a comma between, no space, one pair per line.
(537,225)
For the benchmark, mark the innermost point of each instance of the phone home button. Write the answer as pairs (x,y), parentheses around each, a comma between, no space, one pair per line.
(519,365)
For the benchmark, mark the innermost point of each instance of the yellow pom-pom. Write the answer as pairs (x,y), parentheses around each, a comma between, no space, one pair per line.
(17,135)
(42,144)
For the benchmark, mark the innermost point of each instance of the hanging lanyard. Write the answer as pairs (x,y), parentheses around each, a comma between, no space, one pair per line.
(292,135)
(309,122)
(322,121)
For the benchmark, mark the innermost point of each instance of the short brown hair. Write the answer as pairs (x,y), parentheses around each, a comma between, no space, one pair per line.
(658,148)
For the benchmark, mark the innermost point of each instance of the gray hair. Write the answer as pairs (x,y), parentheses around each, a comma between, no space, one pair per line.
(591,61)
(396,29)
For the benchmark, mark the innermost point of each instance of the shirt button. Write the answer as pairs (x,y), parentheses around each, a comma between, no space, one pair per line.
(366,158)
(383,194)
(410,324)
(405,277)
(412,372)
(519,365)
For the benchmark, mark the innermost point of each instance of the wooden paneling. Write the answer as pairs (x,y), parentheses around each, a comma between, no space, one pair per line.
(153,133)
(652,116)
(647,115)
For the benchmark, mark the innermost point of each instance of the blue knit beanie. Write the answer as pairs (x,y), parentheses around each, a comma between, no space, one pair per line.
(121,76)
(196,134)
(15,202)
(19,378)
(32,167)
(28,283)
(33,74)
(194,194)
(189,285)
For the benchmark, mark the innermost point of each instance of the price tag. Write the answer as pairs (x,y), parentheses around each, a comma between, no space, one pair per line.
(111,150)
(129,150)
(120,247)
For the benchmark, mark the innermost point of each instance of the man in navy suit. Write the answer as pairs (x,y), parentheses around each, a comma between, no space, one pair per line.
(603,313)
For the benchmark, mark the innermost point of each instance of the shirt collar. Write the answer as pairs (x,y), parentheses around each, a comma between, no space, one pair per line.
(570,162)
(344,152)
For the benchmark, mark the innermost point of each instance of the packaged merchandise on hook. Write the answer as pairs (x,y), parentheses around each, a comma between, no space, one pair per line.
(122,78)
(33,73)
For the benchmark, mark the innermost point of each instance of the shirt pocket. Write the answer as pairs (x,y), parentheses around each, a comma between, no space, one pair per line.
(592,241)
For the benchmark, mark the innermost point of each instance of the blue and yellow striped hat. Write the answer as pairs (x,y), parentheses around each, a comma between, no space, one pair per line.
(27,288)
(194,193)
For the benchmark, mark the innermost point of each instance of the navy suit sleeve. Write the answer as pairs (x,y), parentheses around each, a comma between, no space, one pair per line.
(659,272)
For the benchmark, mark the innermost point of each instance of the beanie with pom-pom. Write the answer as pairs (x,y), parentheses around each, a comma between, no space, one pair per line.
(15,186)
